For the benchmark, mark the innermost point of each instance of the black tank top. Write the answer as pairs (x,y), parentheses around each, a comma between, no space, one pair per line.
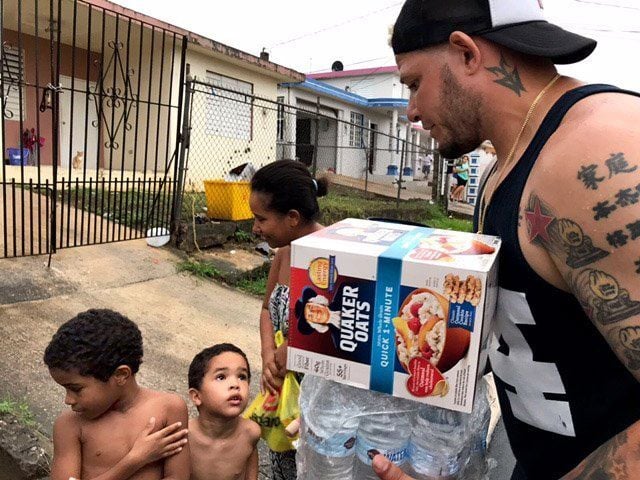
(562,390)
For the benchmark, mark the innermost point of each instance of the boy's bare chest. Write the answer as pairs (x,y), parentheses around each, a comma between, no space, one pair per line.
(107,441)
(220,460)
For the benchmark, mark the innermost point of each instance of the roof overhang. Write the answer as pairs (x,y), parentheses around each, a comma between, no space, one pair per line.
(351,98)
(209,46)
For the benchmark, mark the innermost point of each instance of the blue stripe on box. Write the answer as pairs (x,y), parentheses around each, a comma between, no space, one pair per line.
(387,303)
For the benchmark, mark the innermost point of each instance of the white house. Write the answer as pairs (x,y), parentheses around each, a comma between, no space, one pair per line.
(335,103)
(120,80)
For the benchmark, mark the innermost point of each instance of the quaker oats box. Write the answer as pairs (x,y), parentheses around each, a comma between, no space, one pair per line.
(394,308)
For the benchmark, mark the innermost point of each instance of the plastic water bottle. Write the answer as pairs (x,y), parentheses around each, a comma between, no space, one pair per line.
(477,467)
(330,414)
(439,444)
(385,430)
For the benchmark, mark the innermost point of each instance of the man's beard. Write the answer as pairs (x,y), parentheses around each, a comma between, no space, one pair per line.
(461,113)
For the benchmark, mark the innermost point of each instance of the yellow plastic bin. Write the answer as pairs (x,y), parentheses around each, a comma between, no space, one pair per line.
(227,200)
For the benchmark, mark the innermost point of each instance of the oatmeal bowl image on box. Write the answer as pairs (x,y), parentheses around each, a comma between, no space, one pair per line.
(422,332)
(445,247)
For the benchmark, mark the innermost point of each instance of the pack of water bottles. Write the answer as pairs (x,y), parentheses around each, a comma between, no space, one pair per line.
(343,428)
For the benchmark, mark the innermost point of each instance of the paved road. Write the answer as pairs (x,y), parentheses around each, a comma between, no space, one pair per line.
(178,316)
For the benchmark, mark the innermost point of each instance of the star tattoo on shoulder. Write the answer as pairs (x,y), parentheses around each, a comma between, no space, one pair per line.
(538,222)
(508,76)
(562,237)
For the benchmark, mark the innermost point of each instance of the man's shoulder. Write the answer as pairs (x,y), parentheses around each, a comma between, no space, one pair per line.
(592,131)
(602,116)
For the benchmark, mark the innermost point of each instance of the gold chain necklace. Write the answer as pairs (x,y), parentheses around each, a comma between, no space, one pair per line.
(486,198)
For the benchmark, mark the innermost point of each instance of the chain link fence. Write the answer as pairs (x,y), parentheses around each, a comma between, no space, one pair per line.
(232,133)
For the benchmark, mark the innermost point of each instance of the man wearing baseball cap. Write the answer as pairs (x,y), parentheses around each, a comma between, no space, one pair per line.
(564,196)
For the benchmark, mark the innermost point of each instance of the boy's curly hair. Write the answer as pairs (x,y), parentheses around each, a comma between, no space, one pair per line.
(200,363)
(95,343)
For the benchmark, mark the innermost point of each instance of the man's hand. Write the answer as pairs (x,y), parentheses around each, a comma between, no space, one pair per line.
(151,447)
(386,470)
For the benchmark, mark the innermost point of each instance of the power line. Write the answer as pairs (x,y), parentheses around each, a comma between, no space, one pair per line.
(603,4)
(373,72)
(349,64)
(330,27)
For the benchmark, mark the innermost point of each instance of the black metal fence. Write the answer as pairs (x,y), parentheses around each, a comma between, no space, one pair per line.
(232,133)
(91,108)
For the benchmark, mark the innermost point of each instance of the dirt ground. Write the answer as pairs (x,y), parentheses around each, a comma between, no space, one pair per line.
(177,313)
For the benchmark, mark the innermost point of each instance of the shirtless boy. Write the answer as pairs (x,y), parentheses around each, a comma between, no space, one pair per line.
(223,444)
(115,430)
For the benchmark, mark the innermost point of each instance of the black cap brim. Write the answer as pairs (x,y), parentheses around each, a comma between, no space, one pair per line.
(543,39)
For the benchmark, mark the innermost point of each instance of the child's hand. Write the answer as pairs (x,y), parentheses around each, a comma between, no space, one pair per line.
(293,428)
(151,447)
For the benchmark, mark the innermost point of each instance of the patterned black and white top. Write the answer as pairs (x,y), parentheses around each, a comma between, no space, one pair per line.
(279,308)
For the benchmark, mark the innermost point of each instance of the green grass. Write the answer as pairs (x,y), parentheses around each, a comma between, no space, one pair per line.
(343,202)
(255,286)
(199,269)
(20,410)
(132,208)
(242,237)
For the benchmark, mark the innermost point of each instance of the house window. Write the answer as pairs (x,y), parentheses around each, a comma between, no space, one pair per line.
(280,119)
(13,83)
(356,136)
(229,110)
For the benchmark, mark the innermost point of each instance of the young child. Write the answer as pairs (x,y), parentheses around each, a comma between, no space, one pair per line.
(115,430)
(223,444)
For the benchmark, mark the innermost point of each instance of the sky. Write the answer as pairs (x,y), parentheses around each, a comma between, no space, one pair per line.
(310,36)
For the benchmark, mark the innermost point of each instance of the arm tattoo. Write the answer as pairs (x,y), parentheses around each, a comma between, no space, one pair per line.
(602,297)
(616,164)
(606,462)
(508,77)
(630,341)
(560,236)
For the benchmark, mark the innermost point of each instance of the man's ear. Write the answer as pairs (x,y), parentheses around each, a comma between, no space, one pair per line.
(194,395)
(122,374)
(465,49)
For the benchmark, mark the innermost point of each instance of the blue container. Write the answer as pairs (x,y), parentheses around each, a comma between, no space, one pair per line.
(392,169)
(407,172)
(16,158)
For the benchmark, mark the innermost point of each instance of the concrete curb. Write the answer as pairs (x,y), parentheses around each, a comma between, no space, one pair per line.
(25,454)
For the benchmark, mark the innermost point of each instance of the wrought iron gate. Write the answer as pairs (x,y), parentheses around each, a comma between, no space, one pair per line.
(91,108)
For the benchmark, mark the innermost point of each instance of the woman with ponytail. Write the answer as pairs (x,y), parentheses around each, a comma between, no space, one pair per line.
(284,202)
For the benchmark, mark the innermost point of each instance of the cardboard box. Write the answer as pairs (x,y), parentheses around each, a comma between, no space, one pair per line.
(393,308)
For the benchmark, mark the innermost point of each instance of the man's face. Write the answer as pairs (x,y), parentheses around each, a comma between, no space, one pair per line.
(315,313)
(448,110)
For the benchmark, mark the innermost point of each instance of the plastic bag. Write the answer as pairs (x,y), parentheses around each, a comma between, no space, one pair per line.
(274,412)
